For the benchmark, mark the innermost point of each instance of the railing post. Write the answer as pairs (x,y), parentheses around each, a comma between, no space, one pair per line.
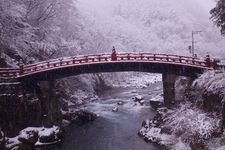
(180,59)
(48,64)
(74,61)
(21,65)
(35,68)
(154,57)
(86,59)
(142,57)
(61,62)
(128,57)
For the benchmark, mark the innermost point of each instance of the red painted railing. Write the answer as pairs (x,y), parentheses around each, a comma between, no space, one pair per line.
(103,58)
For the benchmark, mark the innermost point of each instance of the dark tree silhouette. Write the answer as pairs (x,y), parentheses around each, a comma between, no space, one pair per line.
(218,15)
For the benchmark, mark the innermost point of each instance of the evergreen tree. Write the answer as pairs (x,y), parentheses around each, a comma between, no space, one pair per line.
(218,15)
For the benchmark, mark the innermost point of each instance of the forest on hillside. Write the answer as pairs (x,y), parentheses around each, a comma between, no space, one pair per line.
(34,30)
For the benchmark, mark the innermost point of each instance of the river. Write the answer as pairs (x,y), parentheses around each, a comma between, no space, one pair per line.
(113,130)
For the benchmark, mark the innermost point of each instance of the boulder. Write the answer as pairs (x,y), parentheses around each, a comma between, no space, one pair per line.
(70,116)
(50,135)
(120,103)
(142,102)
(48,138)
(28,137)
(138,98)
(86,115)
(115,109)
(156,104)
(157,101)
(2,140)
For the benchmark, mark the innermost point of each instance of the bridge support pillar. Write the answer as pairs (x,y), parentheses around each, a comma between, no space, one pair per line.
(168,88)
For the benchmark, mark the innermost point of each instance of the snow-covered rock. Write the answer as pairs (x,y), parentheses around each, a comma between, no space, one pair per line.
(142,102)
(154,134)
(157,101)
(34,136)
(28,136)
(138,98)
(115,109)
(120,103)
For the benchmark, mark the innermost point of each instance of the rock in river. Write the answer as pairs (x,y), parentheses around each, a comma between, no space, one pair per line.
(115,109)
(86,115)
(138,98)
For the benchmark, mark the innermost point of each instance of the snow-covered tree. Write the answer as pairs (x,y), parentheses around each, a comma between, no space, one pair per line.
(218,15)
(34,30)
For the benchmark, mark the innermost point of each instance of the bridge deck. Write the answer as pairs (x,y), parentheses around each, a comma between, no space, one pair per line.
(54,64)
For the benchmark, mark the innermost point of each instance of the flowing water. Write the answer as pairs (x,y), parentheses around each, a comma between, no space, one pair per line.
(112,130)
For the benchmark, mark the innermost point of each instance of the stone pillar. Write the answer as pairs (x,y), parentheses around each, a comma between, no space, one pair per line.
(168,89)
(53,114)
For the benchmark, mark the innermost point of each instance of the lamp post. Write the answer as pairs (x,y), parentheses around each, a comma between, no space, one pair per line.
(193,42)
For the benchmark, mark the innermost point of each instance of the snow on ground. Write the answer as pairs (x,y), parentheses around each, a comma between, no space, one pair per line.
(134,79)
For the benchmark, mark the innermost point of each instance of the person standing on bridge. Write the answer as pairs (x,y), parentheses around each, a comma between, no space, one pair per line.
(207,61)
(113,55)
(213,63)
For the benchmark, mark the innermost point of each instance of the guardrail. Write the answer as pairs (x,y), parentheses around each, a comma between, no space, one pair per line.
(101,58)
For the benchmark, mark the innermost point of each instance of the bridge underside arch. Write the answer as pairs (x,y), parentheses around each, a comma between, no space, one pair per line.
(163,68)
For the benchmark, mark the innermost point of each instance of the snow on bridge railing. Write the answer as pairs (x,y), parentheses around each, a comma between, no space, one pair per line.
(102,58)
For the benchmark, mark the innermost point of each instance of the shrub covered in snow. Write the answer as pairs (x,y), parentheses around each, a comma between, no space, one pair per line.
(208,91)
(185,125)
(212,82)
(190,121)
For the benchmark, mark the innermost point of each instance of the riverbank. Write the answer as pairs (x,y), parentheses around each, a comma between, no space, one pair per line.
(196,122)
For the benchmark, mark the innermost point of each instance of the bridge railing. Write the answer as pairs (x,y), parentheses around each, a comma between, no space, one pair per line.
(162,58)
(101,58)
(9,72)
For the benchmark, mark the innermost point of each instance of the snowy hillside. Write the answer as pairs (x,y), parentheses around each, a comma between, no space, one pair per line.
(149,25)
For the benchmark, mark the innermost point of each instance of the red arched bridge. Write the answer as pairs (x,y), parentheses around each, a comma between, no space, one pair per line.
(75,65)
